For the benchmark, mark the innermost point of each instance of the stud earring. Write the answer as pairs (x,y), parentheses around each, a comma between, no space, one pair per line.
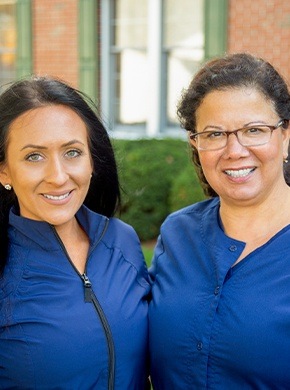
(8,187)
(285,160)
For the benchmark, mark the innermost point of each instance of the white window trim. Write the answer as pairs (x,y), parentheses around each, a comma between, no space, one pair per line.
(105,60)
(154,127)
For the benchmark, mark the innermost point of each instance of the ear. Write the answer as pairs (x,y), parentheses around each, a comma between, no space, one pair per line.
(286,136)
(192,141)
(4,176)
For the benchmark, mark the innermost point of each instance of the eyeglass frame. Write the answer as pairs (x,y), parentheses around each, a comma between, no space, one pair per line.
(282,122)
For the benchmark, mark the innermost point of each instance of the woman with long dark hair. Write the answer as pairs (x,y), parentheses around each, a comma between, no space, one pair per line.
(73,286)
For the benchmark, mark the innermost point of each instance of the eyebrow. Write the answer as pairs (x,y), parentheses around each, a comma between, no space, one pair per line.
(260,122)
(34,146)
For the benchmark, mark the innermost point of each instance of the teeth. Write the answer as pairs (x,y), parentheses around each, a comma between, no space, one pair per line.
(239,173)
(56,197)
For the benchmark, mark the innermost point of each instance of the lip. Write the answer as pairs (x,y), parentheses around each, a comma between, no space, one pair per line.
(57,198)
(239,173)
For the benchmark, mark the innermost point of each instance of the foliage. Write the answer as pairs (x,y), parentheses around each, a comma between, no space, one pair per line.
(148,169)
(148,254)
(185,189)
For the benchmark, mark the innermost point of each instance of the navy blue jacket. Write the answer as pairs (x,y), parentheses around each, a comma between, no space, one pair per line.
(63,330)
(214,325)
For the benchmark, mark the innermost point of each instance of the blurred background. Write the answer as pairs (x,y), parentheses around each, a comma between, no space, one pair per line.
(134,58)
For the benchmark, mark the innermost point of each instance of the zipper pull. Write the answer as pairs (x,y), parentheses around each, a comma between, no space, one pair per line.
(88,288)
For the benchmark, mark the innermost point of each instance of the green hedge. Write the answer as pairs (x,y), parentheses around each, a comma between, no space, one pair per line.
(157,178)
(185,189)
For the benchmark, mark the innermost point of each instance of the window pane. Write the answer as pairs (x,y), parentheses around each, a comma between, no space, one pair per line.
(183,47)
(129,55)
(183,23)
(182,64)
(7,41)
(130,23)
(131,87)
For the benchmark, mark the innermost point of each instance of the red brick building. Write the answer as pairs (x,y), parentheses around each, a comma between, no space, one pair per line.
(261,27)
(135,57)
(55,38)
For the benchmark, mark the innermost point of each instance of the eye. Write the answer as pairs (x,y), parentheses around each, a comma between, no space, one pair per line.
(34,157)
(73,153)
(213,134)
(257,130)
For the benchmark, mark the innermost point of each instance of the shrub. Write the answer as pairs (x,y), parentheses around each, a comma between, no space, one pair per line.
(148,169)
(185,189)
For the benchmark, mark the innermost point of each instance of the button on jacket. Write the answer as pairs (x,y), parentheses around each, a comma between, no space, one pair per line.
(213,325)
(51,335)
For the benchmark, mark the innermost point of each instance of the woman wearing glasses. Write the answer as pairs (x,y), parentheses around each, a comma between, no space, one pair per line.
(220,313)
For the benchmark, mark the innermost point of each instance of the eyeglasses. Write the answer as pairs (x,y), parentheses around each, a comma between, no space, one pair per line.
(255,135)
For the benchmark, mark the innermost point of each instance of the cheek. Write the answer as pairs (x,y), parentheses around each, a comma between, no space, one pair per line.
(20,177)
(271,152)
(82,174)
(209,167)
(212,166)
(85,169)
(207,160)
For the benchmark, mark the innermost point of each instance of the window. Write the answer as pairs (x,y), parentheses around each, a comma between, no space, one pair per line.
(88,64)
(24,38)
(7,41)
(183,48)
(129,54)
(150,50)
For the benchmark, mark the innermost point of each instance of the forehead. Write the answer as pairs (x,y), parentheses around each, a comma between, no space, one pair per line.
(240,105)
(47,124)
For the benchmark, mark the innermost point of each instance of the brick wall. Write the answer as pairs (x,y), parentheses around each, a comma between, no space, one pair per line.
(55,38)
(261,27)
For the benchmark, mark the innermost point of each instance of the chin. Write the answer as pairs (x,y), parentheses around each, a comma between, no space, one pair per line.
(245,200)
(60,220)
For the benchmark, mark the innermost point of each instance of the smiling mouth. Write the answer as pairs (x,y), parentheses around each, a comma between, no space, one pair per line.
(54,197)
(239,172)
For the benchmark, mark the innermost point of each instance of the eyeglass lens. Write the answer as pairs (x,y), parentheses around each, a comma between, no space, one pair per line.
(253,136)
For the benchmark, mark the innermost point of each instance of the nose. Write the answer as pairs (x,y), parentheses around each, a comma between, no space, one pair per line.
(234,149)
(56,173)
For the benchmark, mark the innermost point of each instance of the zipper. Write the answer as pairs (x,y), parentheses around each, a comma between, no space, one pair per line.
(90,297)
(88,288)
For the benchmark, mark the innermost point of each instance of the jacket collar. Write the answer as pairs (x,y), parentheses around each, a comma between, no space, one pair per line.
(42,233)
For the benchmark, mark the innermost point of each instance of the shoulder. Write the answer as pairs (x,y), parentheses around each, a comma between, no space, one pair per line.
(122,238)
(112,232)
(195,212)
(121,234)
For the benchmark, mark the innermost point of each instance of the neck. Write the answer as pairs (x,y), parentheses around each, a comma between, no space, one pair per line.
(68,230)
(245,221)
(76,243)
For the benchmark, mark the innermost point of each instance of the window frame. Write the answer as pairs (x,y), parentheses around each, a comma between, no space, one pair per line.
(6,77)
(215,30)
(24,38)
(88,50)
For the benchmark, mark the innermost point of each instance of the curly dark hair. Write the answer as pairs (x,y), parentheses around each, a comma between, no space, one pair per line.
(21,96)
(232,71)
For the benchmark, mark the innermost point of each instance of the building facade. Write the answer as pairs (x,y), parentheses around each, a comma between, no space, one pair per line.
(134,57)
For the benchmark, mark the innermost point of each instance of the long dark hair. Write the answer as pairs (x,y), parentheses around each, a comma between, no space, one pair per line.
(232,71)
(104,192)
